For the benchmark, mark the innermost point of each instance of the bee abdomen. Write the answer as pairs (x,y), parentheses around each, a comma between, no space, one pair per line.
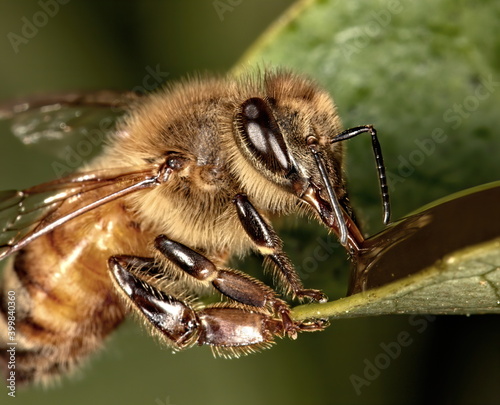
(49,326)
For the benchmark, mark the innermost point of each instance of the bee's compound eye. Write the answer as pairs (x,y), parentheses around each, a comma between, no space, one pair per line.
(262,135)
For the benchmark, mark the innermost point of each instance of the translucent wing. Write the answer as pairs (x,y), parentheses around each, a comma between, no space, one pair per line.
(28,214)
(101,99)
(70,117)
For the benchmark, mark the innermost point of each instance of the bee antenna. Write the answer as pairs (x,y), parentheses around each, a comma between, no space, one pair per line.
(377,150)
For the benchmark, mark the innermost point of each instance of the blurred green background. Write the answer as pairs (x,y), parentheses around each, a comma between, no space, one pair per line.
(91,45)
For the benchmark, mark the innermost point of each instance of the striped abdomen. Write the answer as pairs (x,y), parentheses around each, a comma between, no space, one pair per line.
(65,304)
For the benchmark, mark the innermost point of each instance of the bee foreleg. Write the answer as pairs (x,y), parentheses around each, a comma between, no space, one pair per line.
(270,246)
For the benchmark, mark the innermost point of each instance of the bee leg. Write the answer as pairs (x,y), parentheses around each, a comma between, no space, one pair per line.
(270,246)
(230,329)
(171,318)
(234,284)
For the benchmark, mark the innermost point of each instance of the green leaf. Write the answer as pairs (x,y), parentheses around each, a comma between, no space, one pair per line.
(466,281)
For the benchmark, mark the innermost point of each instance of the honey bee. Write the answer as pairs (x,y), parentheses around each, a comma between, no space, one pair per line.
(188,179)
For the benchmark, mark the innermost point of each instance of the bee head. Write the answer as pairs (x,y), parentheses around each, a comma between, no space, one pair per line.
(285,135)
